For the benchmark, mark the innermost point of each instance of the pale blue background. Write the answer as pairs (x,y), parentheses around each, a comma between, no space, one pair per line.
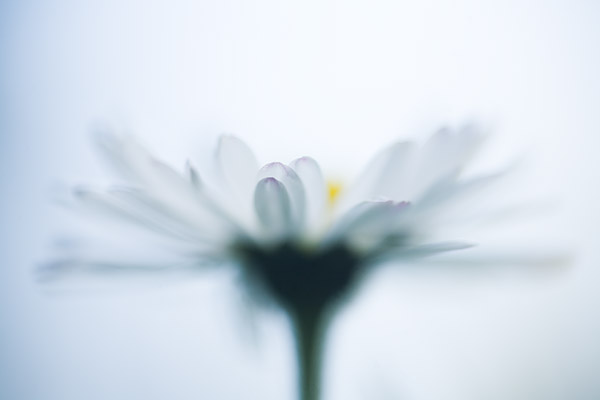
(335,80)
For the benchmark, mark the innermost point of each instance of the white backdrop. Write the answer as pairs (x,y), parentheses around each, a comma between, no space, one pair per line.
(335,80)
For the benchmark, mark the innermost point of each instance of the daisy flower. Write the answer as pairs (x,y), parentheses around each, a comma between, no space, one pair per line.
(302,241)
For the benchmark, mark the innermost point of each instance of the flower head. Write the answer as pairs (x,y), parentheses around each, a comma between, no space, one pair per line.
(299,234)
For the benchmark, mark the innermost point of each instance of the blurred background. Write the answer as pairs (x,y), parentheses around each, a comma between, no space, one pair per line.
(336,80)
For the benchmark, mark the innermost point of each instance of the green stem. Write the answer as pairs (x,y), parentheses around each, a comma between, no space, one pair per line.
(309,330)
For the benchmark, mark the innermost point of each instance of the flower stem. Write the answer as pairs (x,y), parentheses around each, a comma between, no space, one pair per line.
(309,330)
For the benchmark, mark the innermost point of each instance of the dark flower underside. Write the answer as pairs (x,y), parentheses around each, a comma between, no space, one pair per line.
(307,285)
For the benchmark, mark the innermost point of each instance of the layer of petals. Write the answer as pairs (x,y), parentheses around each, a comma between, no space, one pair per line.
(294,188)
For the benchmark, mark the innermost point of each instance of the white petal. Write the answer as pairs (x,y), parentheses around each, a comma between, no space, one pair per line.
(419,251)
(202,221)
(452,204)
(445,155)
(238,166)
(547,260)
(314,186)
(138,166)
(185,198)
(125,155)
(386,176)
(130,251)
(273,208)
(135,207)
(447,192)
(294,188)
(192,175)
(403,172)
(103,205)
(185,201)
(369,224)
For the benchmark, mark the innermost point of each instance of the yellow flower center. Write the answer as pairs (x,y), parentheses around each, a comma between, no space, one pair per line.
(334,188)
